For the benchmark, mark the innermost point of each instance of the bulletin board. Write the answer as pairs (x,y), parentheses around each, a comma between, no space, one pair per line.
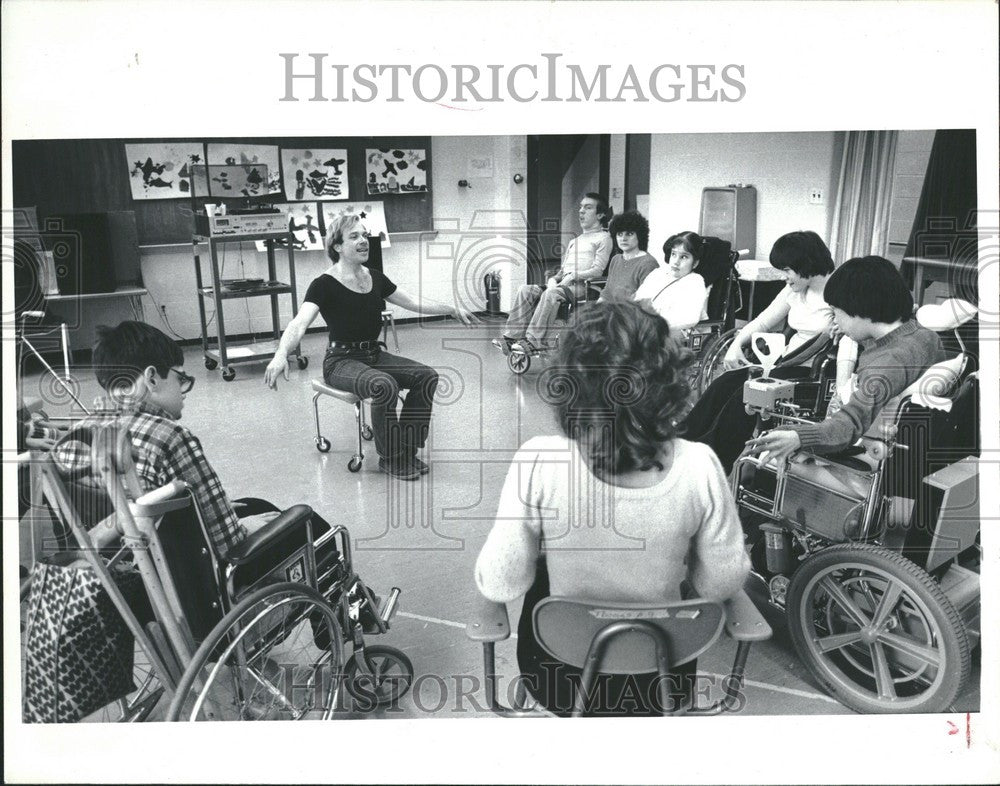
(92,175)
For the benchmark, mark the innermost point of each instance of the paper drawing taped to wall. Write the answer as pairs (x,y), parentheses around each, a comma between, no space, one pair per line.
(372,215)
(162,170)
(390,171)
(303,221)
(234,181)
(240,153)
(314,174)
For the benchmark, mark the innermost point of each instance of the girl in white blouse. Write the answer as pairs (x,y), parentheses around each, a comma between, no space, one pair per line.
(676,292)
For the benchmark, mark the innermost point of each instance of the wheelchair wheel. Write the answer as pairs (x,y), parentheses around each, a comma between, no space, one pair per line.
(385,677)
(877,631)
(712,362)
(518,362)
(277,655)
(367,433)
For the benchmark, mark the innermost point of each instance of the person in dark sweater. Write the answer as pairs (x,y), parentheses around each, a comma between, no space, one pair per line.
(351,298)
(872,305)
(629,268)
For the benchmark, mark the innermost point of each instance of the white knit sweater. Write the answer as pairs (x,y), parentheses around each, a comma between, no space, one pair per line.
(612,543)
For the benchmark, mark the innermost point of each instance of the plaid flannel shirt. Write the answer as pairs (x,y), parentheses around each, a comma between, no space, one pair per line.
(164,451)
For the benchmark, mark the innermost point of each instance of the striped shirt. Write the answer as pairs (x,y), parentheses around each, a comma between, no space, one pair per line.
(164,451)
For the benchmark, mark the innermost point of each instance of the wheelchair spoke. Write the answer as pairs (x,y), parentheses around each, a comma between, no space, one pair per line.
(838,641)
(883,676)
(929,655)
(837,593)
(890,598)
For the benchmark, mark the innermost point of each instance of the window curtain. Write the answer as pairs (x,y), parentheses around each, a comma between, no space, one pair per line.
(864,195)
(945,226)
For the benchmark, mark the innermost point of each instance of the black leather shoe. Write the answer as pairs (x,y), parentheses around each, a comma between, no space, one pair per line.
(420,466)
(401,469)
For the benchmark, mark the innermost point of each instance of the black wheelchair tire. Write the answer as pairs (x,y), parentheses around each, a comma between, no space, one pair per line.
(519,362)
(302,362)
(360,685)
(842,669)
(236,621)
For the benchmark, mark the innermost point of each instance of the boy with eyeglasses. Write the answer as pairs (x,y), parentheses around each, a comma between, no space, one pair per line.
(142,371)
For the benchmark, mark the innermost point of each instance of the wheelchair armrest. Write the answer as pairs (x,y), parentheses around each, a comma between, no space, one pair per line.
(489,621)
(743,621)
(277,527)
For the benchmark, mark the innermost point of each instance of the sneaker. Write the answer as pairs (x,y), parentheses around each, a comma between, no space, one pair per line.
(398,469)
(504,343)
(420,466)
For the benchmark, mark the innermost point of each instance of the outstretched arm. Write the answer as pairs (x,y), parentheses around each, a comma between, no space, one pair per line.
(289,341)
(432,307)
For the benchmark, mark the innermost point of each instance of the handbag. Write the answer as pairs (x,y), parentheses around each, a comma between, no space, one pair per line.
(78,651)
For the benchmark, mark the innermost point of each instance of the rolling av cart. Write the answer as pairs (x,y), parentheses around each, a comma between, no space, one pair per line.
(223,353)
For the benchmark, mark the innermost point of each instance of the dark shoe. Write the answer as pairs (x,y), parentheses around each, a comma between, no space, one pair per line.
(525,347)
(420,466)
(401,469)
(504,343)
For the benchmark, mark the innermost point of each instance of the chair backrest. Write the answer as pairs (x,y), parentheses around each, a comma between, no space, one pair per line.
(716,266)
(566,628)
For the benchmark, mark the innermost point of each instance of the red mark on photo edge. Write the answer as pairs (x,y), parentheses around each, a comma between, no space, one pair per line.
(968,730)
(460,108)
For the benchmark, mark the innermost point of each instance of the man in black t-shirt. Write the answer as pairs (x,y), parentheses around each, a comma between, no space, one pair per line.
(351,298)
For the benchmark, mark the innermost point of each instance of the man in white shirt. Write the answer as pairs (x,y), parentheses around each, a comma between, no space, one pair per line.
(535,308)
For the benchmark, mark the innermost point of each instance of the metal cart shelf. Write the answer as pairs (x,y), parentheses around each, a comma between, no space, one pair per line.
(224,353)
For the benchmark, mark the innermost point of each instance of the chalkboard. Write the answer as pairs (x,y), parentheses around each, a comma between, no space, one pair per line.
(91,175)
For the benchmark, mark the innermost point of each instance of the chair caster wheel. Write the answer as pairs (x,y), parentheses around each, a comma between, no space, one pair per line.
(384,677)
(229,374)
(518,362)
(354,464)
(210,364)
(303,362)
(323,445)
(367,433)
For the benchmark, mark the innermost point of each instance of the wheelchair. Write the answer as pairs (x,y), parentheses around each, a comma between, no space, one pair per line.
(873,554)
(623,638)
(259,633)
(717,267)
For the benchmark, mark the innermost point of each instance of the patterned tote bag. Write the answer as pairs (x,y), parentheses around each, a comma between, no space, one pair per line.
(78,651)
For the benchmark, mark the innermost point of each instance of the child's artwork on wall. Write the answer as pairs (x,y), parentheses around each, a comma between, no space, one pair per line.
(162,170)
(240,153)
(303,221)
(234,181)
(314,174)
(372,216)
(395,171)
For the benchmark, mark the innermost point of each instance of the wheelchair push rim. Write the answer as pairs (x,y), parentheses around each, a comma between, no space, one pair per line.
(277,655)
(877,631)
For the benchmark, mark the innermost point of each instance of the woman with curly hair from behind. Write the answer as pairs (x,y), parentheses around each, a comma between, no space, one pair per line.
(616,507)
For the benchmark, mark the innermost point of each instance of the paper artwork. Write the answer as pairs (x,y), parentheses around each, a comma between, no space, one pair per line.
(372,216)
(389,171)
(303,221)
(233,153)
(162,170)
(314,174)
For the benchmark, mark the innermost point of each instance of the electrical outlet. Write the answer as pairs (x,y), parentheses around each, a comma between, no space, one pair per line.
(815,196)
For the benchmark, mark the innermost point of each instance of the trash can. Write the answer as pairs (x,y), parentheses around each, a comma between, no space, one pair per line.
(491,281)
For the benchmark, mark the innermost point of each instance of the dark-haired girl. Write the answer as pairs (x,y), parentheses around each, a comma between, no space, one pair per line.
(677,295)
(615,506)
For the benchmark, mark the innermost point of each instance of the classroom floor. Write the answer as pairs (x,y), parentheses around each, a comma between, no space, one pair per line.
(424,536)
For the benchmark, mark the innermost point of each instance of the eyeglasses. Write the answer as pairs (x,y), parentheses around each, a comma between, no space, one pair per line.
(187,381)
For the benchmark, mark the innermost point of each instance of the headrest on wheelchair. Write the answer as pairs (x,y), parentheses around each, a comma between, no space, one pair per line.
(936,383)
(946,315)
